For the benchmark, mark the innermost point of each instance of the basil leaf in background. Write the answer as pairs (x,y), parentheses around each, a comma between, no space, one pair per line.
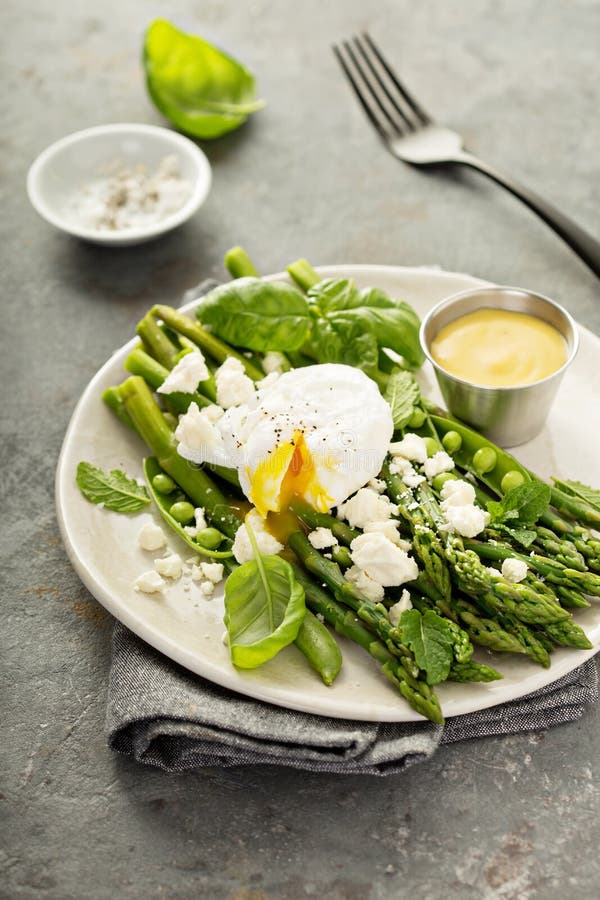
(430,639)
(393,323)
(579,489)
(114,490)
(403,394)
(522,505)
(334,293)
(259,315)
(264,609)
(342,339)
(200,89)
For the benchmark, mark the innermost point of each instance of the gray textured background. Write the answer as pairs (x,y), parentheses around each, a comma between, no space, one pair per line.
(501,818)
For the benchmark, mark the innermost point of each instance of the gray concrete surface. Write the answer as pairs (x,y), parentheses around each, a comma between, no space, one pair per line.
(500,818)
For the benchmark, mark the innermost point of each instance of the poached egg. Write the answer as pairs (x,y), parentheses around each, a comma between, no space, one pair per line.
(319,433)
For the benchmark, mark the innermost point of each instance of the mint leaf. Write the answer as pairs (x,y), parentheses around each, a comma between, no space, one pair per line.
(114,490)
(523,504)
(579,489)
(430,639)
(523,536)
(402,393)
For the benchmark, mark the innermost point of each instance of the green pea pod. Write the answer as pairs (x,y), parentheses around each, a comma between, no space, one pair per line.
(471,443)
(164,502)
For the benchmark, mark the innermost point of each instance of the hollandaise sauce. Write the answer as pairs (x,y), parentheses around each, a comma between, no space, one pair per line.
(499,348)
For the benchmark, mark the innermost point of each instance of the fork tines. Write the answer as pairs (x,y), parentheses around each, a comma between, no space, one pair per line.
(390,107)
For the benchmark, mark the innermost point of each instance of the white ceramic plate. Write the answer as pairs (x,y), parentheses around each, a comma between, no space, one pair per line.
(188,629)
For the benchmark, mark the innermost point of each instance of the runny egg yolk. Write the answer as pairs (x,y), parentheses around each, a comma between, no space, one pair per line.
(288,471)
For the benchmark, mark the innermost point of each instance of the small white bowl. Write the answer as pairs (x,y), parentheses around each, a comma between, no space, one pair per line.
(67,166)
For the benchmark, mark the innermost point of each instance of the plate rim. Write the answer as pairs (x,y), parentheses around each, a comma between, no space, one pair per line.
(185,657)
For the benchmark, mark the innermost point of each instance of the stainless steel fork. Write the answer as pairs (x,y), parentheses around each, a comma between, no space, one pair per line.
(411,135)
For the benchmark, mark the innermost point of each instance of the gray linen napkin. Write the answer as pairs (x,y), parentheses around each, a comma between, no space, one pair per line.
(161,715)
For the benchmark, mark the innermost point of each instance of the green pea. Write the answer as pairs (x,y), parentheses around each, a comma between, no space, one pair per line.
(431,445)
(452,441)
(182,512)
(209,538)
(171,420)
(440,480)
(163,484)
(341,556)
(484,460)
(511,480)
(417,419)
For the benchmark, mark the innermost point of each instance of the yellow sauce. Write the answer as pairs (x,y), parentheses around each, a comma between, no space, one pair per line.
(499,347)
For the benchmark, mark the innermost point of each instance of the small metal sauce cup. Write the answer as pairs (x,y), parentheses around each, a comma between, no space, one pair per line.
(506,415)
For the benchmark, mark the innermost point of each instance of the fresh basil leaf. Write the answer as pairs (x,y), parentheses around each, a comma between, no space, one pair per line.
(264,609)
(259,315)
(200,89)
(402,393)
(579,489)
(523,504)
(334,293)
(113,490)
(342,339)
(393,322)
(430,639)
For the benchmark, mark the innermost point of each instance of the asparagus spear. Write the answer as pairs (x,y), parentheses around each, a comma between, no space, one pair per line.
(150,424)
(417,693)
(239,264)
(161,346)
(207,342)
(373,614)
(427,546)
(553,571)
(472,671)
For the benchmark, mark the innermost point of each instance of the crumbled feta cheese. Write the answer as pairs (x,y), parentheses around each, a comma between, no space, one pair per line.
(438,463)
(493,572)
(410,447)
(411,478)
(377,484)
(212,571)
(268,381)
(514,570)
(149,582)
(399,465)
(389,528)
(169,566)
(195,432)
(456,492)
(273,362)
(382,560)
(321,538)
(207,588)
(267,544)
(366,506)
(151,537)
(467,520)
(186,375)
(194,530)
(233,385)
(213,412)
(395,611)
(371,589)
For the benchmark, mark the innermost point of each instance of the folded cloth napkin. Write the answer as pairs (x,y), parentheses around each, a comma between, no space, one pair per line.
(162,715)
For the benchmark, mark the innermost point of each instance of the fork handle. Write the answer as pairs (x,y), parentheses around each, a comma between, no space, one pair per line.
(581,241)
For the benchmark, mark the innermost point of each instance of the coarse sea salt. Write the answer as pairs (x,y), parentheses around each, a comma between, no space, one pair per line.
(129,197)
